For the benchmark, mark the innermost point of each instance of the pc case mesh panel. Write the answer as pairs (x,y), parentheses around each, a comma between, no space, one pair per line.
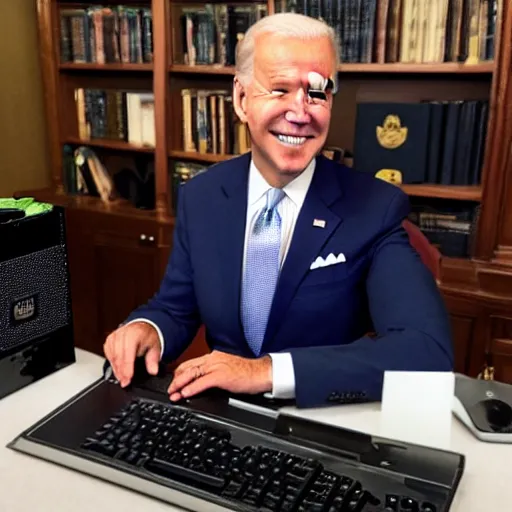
(41,278)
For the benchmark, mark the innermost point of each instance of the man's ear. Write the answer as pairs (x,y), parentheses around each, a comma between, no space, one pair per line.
(239,100)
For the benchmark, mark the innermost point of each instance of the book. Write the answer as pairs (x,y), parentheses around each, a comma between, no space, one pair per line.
(393,138)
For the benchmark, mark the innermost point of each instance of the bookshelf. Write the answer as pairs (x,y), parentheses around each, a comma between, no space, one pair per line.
(464,193)
(410,68)
(401,68)
(477,288)
(198,157)
(111,67)
(109,144)
(202,69)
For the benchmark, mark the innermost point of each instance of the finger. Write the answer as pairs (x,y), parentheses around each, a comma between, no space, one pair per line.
(114,351)
(152,360)
(183,379)
(190,363)
(175,397)
(127,361)
(210,380)
(107,348)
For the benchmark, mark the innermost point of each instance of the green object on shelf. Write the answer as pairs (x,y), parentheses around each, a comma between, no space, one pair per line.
(27,204)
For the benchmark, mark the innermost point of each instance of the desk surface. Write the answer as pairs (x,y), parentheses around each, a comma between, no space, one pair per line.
(27,483)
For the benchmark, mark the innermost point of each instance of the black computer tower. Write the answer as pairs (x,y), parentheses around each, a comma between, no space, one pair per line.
(36,323)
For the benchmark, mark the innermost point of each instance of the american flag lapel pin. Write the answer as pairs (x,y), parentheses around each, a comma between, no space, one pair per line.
(319,223)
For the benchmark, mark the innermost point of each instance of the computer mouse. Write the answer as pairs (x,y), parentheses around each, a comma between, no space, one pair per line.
(484,407)
(498,413)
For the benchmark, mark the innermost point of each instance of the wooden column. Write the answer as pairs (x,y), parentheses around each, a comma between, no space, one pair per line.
(161,24)
(495,229)
(48,33)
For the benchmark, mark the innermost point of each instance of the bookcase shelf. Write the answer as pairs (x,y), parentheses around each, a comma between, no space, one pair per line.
(400,68)
(199,157)
(202,69)
(421,68)
(109,144)
(118,207)
(462,193)
(116,67)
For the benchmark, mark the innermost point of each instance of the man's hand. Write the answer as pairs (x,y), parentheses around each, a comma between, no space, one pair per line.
(220,370)
(129,341)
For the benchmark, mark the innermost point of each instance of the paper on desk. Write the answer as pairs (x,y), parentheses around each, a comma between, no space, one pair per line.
(417,407)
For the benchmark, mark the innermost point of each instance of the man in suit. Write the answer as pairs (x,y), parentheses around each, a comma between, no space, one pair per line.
(287,258)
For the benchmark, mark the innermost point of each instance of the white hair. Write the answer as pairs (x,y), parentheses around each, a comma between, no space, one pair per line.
(287,24)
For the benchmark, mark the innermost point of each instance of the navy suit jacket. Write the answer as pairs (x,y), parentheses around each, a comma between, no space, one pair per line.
(321,316)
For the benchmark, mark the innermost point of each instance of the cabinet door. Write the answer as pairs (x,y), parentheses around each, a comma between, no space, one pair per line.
(114,266)
(499,356)
(126,276)
(468,330)
(500,359)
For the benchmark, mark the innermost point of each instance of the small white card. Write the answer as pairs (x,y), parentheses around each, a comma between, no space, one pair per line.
(417,407)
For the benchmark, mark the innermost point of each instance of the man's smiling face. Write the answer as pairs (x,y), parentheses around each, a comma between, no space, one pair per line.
(288,127)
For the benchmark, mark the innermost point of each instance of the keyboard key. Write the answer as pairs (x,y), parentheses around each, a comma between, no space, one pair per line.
(170,470)
(392,502)
(408,504)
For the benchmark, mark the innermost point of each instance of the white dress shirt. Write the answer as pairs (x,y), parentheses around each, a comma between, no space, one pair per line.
(283,375)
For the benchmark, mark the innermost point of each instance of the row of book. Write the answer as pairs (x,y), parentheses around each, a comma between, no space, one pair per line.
(211,32)
(449,225)
(108,176)
(368,30)
(210,124)
(106,34)
(439,142)
(406,30)
(116,114)
(181,173)
(85,174)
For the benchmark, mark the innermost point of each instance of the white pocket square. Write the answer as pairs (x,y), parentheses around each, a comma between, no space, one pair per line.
(330,260)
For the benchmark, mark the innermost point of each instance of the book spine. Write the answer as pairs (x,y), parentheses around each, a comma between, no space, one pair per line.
(393,43)
(66,50)
(147,35)
(383,8)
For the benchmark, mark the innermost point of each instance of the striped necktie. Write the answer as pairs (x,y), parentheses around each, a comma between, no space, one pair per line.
(261,270)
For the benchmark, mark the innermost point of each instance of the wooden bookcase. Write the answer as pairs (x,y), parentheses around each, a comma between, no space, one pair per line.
(118,253)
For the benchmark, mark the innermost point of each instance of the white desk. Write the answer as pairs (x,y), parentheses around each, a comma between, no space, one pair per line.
(29,484)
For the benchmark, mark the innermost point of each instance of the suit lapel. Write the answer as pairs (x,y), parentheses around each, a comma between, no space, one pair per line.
(232,212)
(307,240)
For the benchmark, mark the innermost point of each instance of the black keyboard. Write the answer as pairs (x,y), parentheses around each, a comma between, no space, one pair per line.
(182,446)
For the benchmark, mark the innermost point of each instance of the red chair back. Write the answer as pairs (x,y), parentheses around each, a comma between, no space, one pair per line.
(429,254)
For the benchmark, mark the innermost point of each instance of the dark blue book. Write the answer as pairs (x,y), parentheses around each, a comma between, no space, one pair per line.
(393,137)
(451,129)
(436,139)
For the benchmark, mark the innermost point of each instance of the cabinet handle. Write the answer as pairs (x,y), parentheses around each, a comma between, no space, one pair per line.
(147,240)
